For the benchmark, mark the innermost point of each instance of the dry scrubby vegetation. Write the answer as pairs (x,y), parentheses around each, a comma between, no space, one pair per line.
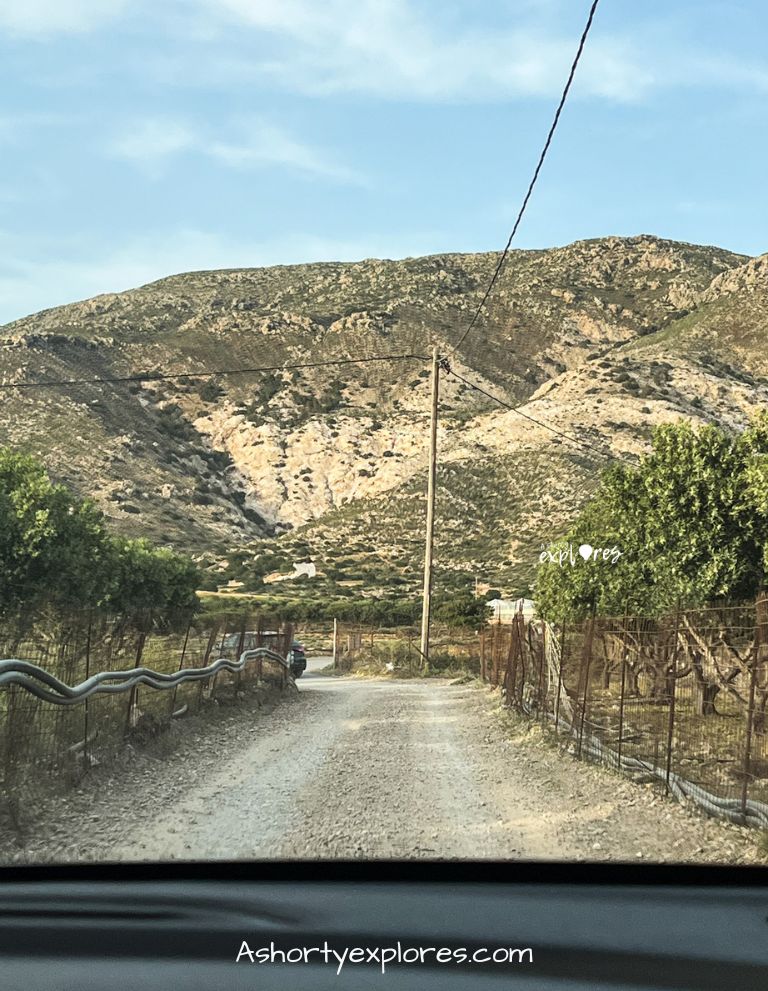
(212,466)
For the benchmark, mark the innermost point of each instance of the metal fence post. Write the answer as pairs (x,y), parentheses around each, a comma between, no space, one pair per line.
(11,764)
(670,730)
(746,772)
(623,692)
(586,662)
(86,757)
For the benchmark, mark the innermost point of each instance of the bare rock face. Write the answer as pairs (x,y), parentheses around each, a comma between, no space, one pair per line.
(750,278)
(600,340)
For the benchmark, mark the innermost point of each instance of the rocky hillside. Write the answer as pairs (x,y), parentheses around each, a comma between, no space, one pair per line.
(601,339)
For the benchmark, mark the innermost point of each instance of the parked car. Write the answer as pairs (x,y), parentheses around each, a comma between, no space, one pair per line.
(297,658)
(229,645)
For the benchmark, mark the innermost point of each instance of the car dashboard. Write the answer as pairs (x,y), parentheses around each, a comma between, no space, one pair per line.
(245,925)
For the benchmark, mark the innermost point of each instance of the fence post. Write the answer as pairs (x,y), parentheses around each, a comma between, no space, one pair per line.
(497,645)
(521,652)
(622,695)
(511,679)
(86,758)
(133,695)
(11,765)
(240,647)
(540,698)
(670,730)
(560,679)
(179,668)
(586,662)
(206,658)
(746,773)
(483,666)
(336,644)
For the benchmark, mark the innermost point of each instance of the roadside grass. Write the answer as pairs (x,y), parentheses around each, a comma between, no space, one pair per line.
(394,660)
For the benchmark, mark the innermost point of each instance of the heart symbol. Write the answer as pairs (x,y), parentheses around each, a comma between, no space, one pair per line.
(586,551)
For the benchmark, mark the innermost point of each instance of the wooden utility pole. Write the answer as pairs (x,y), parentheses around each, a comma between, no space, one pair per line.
(427,600)
(335,641)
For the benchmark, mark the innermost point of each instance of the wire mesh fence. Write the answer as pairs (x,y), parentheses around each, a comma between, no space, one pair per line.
(394,646)
(51,742)
(678,701)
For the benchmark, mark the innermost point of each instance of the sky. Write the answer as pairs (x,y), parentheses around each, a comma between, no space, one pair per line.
(140,138)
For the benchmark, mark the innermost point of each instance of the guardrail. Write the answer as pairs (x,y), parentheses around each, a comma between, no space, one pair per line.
(53,733)
(29,676)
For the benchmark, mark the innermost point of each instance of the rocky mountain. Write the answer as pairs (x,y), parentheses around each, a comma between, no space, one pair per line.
(600,340)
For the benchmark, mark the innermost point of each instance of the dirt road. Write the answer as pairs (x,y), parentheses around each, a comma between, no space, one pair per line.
(355,768)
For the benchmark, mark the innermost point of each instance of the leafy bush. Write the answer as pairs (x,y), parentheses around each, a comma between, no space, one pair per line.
(210,391)
(55,551)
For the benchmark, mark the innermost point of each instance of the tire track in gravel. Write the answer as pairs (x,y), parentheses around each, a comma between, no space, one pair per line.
(361,769)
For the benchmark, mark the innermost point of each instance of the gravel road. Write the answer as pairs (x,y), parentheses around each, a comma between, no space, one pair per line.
(361,768)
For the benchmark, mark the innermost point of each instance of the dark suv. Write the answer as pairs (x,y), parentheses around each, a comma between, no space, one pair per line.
(297,659)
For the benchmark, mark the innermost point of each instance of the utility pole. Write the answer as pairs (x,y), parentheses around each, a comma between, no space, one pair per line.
(335,642)
(427,600)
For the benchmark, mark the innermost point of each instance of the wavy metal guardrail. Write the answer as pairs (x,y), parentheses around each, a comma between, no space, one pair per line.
(33,678)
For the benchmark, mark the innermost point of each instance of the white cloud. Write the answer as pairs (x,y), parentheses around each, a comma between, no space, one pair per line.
(252,143)
(46,17)
(388,48)
(265,144)
(150,139)
(148,144)
(410,50)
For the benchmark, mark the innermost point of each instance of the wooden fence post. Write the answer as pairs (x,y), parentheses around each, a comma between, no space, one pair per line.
(560,679)
(207,656)
(542,662)
(133,695)
(240,648)
(179,668)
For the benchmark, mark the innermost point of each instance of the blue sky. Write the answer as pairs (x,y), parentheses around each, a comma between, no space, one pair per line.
(139,138)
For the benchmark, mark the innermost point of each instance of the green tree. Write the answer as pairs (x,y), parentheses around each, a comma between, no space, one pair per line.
(464,609)
(55,552)
(143,577)
(52,546)
(690,521)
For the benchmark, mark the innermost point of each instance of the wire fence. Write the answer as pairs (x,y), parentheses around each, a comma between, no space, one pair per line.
(74,693)
(678,701)
(398,647)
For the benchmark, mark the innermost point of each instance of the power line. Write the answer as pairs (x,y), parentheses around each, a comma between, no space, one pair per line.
(539,423)
(214,373)
(543,155)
